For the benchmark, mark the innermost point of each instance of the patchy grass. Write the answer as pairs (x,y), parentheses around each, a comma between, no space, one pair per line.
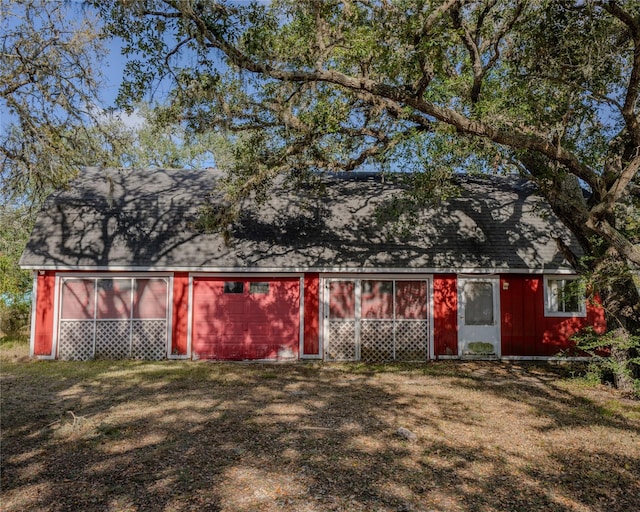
(14,348)
(169,436)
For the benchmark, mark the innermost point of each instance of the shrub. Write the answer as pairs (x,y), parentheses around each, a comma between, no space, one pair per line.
(615,358)
(14,317)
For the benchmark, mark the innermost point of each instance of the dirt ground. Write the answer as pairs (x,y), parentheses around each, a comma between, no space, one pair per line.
(443,436)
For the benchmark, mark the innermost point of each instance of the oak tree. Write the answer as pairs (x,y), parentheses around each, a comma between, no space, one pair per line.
(548,89)
(54,122)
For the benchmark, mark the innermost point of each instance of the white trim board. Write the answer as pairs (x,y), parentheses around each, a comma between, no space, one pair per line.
(303,270)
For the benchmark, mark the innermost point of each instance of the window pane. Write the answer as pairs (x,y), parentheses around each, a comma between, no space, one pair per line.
(234,287)
(552,295)
(478,309)
(78,299)
(114,298)
(342,300)
(411,300)
(150,298)
(565,295)
(258,288)
(571,303)
(377,299)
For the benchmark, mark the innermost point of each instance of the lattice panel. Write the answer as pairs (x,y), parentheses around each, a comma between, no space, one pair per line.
(149,339)
(75,342)
(376,340)
(412,340)
(113,339)
(342,341)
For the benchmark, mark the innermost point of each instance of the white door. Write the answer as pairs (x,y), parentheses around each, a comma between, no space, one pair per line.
(478,316)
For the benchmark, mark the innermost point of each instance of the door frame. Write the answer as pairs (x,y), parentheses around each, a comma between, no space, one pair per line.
(357,278)
(494,280)
(61,277)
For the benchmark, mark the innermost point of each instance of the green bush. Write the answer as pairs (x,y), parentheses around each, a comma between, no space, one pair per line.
(14,317)
(615,358)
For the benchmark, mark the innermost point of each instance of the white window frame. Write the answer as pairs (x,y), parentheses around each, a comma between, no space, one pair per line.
(550,309)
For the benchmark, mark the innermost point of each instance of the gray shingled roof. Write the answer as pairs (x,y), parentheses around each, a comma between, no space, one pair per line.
(146,219)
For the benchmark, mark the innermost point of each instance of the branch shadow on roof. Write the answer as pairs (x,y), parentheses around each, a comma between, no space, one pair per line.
(149,219)
(373,223)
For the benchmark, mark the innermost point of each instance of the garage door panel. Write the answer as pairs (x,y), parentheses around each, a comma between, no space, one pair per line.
(260,329)
(281,301)
(221,347)
(230,348)
(231,308)
(259,323)
(262,351)
(229,328)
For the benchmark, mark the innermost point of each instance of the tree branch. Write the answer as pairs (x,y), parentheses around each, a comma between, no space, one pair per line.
(617,189)
(509,137)
(472,48)
(624,247)
(633,87)
(434,16)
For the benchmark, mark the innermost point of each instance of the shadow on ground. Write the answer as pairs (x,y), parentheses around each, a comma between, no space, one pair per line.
(128,436)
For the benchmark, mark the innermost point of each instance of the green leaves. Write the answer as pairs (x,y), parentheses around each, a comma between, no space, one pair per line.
(15,284)
(547,88)
(49,71)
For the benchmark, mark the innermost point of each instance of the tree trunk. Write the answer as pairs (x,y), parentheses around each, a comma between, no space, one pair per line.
(621,301)
(607,270)
(624,371)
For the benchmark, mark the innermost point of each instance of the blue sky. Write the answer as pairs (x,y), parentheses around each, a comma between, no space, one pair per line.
(113,72)
(112,67)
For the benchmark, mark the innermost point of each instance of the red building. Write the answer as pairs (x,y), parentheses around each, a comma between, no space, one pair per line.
(352,268)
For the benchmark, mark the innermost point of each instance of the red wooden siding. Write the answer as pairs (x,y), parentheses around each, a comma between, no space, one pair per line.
(263,320)
(445,317)
(43,335)
(180,321)
(311,344)
(526,331)
(259,320)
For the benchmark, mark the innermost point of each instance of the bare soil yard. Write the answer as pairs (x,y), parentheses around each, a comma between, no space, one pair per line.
(173,436)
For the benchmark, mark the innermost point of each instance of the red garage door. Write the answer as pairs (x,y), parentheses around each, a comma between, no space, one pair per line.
(236,318)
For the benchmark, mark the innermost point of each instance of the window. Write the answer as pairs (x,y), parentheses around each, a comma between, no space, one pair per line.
(233,287)
(411,300)
(564,296)
(478,303)
(150,299)
(78,297)
(377,299)
(114,298)
(258,288)
(342,300)
(113,317)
